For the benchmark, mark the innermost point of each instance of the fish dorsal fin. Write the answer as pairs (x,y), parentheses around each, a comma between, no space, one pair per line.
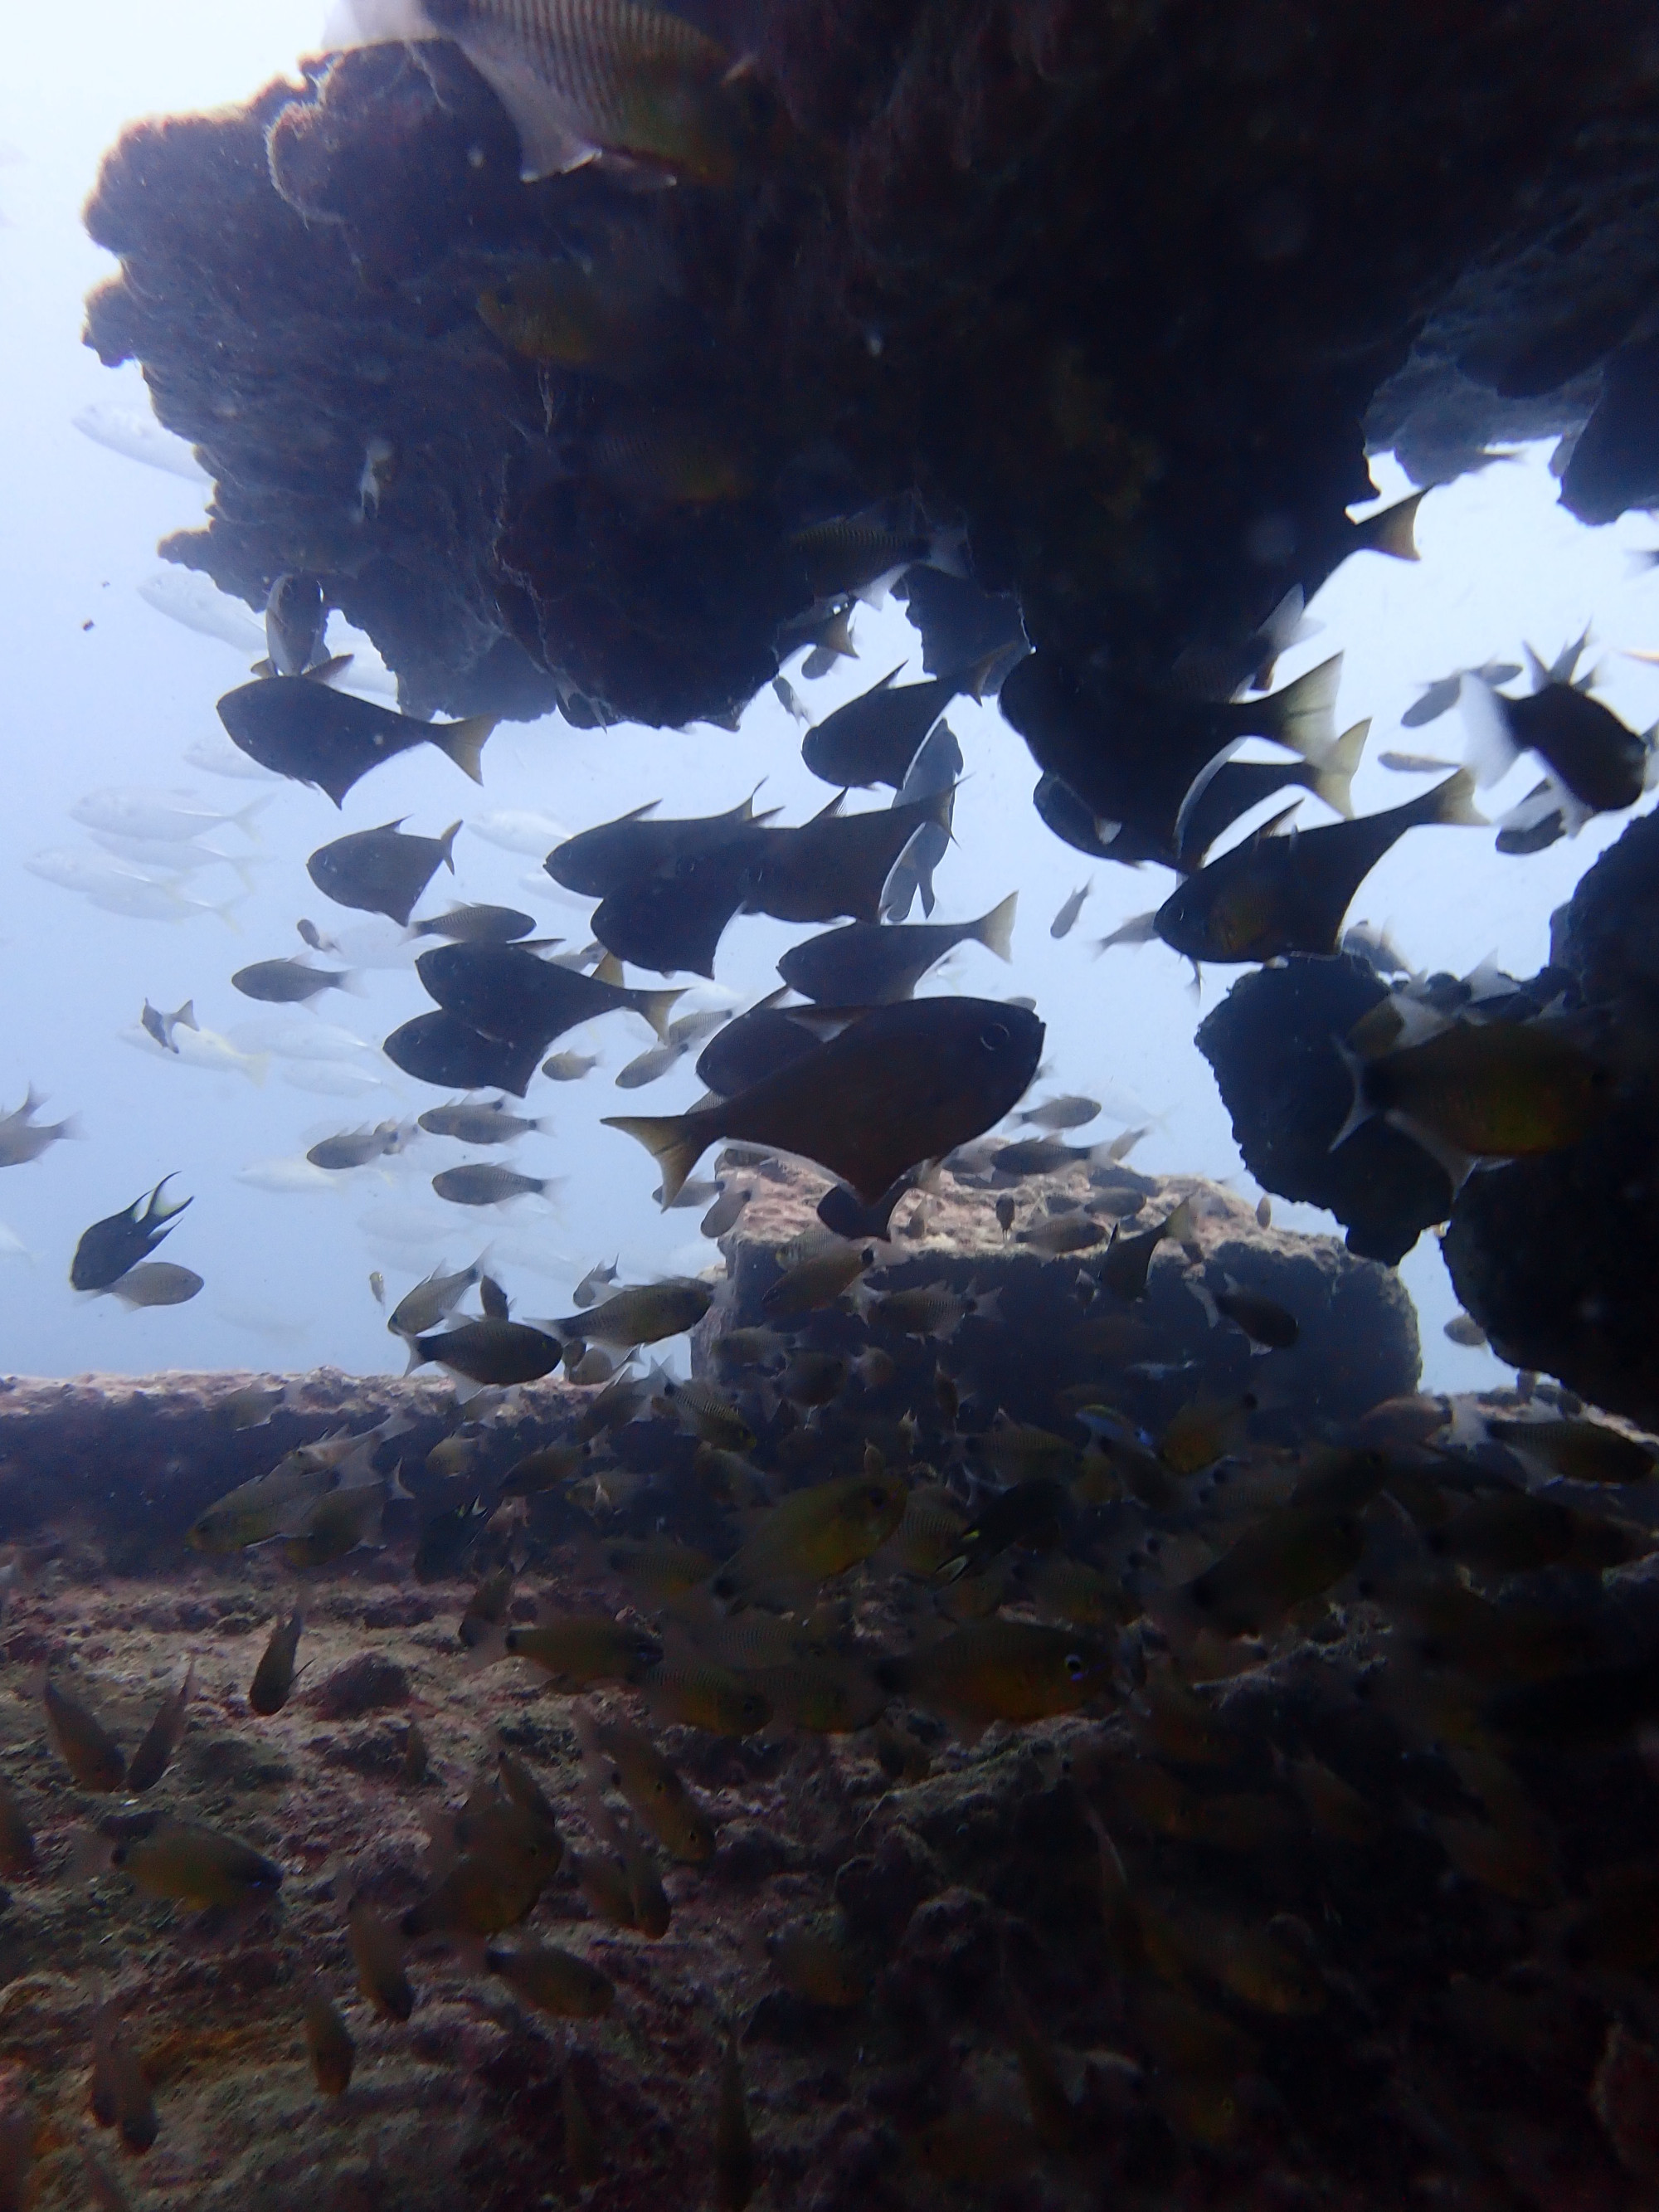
(829,812)
(1273,822)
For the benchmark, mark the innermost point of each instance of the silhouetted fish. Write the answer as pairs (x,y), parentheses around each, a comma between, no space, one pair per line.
(304,730)
(907,1083)
(380,871)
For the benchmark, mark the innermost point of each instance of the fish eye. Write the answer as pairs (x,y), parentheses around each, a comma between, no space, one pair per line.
(1076,1665)
(994,1036)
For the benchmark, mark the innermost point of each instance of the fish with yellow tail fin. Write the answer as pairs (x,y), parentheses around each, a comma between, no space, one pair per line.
(581,79)
(1276,895)
(905,1084)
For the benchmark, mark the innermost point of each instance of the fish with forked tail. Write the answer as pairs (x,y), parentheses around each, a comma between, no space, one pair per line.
(905,1084)
(311,735)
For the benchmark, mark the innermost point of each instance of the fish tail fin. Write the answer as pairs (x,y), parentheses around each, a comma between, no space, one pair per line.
(1362,1110)
(416,1357)
(609,970)
(947,550)
(351,982)
(464,741)
(186,1017)
(995,931)
(1490,750)
(1206,1296)
(1179,1225)
(1453,802)
(675,1147)
(262,667)
(1303,714)
(1393,530)
(1333,775)
(656,1006)
(978,673)
(447,846)
(326,671)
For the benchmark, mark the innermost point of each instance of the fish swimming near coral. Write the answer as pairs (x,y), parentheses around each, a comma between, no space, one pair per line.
(906,1083)
(875,964)
(582,79)
(381,871)
(111,1247)
(306,731)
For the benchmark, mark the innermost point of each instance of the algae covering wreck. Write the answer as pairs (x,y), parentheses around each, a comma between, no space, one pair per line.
(1030,1584)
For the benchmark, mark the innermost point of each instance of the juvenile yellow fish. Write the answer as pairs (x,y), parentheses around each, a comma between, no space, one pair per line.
(377,1952)
(160,1740)
(625,1759)
(818,1960)
(546,1469)
(552,1980)
(585,1647)
(688,1692)
(1002,1670)
(328,2045)
(81,1740)
(814,1534)
(121,2095)
(273,1678)
(818,1279)
(1291,1555)
(197,1865)
(1487,1090)
(658,1565)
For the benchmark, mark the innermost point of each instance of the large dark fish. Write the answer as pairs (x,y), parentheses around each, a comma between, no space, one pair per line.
(442,1049)
(303,730)
(380,871)
(1059,809)
(1272,896)
(673,921)
(907,1083)
(873,739)
(764,1040)
(604,859)
(868,964)
(1131,756)
(1220,798)
(837,865)
(504,992)
(110,1247)
(1601,762)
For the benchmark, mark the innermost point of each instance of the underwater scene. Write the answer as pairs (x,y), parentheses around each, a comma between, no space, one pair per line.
(830,1122)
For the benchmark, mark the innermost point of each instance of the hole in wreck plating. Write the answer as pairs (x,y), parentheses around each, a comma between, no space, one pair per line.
(103,690)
